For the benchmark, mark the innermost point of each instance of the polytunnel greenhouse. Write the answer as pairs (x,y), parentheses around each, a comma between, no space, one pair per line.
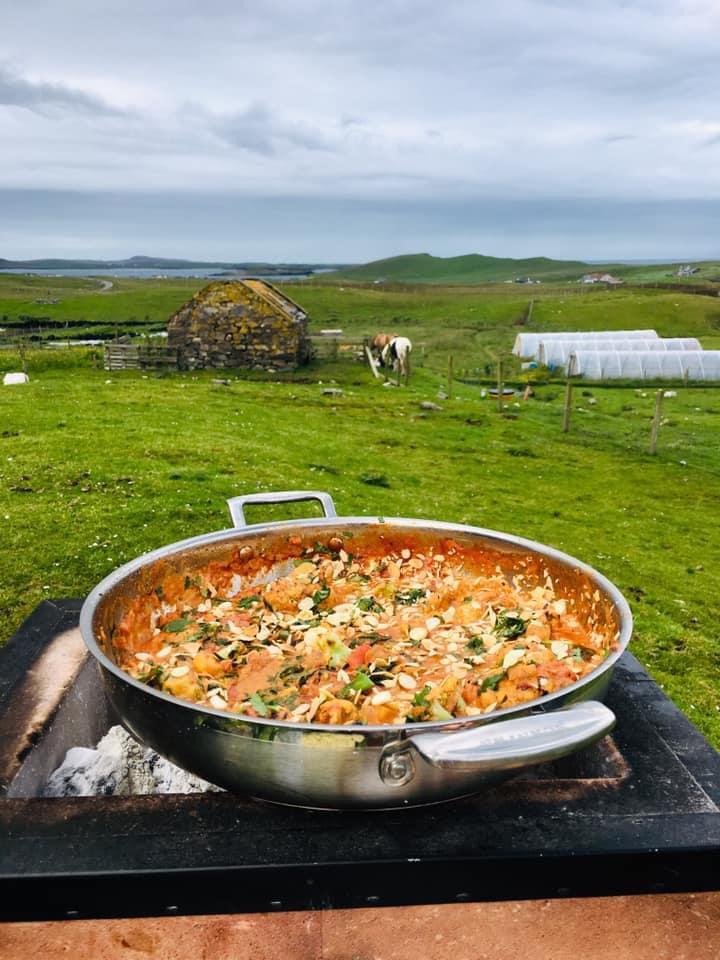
(646,365)
(556,353)
(528,344)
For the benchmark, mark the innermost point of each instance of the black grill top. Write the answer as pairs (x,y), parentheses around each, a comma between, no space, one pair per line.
(637,813)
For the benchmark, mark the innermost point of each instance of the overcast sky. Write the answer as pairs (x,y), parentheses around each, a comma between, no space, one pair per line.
(347,131)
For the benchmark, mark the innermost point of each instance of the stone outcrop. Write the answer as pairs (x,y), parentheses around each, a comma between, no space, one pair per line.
(240,323)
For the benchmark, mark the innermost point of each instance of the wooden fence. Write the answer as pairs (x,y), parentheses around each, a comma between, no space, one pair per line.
(337,347)
(136,356)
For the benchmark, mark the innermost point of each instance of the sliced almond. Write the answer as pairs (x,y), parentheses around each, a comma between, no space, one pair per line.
(560,648)
(179,671)
(512,657)
(406,681)
(379,698)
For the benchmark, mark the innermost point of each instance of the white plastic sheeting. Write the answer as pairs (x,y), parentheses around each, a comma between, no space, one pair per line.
(556,353)
(646,365)
(528,344)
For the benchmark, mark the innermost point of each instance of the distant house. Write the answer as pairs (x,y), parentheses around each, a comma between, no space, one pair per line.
(525,280)
(600,278)
(240,323)
(687,271)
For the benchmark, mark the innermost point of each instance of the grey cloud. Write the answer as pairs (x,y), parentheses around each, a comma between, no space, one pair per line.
(258,130)
(15,91)
(618,137)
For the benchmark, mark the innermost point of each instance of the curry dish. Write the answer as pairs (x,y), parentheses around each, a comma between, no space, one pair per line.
(402,636)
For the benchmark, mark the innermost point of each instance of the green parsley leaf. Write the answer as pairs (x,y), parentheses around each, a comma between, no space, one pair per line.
(248,602)
(369,605)
(322,594)
(176,626)
(510,625)
(408,597)
(259,705)
(420,699)
(491,683)
(361,681)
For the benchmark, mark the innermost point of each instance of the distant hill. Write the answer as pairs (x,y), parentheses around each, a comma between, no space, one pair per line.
(163,263)
(476,268)
(472,268)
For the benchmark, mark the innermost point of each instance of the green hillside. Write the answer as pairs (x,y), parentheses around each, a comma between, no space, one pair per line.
(472,268)
(476,268)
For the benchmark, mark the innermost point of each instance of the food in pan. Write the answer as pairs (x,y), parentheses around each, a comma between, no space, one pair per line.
(408,635)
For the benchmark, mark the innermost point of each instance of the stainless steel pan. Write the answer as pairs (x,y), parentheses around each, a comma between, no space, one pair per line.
(355,766)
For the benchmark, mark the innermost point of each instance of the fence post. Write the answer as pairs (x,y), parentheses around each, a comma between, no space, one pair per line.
(566,409)
(528,318)
(500,385)
(450,377)
(657,416)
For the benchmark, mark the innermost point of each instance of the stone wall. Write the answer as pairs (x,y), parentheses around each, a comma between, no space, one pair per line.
(239,324)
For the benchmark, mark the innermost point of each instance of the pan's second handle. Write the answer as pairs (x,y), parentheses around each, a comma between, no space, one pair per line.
(510,744)
(237,504)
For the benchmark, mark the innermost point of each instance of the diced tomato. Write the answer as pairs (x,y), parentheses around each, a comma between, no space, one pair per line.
(360,655)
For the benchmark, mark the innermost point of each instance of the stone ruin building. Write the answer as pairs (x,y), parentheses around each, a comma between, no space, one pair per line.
(240,323)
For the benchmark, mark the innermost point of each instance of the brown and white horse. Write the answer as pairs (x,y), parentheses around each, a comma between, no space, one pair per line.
(379,342)
(396,354)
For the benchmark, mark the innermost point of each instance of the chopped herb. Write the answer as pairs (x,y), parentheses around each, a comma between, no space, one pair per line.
(361,681)
(177,626)
(322,594)
(369,605)
(467,600)
(358,578)
(408,597)
(159,593)
(491,683)
(510,625)
(152,676)
(259,705)
(420,699)
(475,643)
(248,602)
(322,548)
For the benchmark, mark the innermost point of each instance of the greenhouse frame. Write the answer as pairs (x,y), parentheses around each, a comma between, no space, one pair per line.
(646,365)
(527,344)
(556,353)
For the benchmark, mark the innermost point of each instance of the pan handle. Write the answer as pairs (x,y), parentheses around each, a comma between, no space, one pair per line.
(507,745)
(236,504)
